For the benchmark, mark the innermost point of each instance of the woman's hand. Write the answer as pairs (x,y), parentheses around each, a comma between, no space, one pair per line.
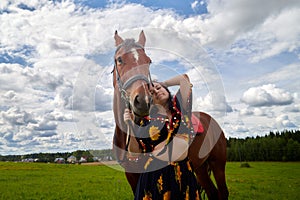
(128,116)
(133,146)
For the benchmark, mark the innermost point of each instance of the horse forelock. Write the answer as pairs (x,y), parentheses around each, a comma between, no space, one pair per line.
(128,44)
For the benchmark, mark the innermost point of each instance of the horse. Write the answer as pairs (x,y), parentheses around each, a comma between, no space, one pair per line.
(132,83)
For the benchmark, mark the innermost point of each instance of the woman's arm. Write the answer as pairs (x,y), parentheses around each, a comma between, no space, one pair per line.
(185,86)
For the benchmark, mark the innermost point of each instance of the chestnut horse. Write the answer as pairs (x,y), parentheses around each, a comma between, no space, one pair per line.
(132,83)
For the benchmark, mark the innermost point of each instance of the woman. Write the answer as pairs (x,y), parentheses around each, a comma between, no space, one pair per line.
(165,136)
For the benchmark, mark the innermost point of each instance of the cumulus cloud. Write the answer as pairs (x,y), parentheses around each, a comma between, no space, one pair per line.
(10,95)
(194,5)
(243,17)
(16,116)
(43,125)
(283,121)
(212,102)
(236,129)
(7,72)
(283,39)
(225,23)
(102,97)
(58,115)
(266,95)
(284,73)
(293,108)
(21,129)
(250,111)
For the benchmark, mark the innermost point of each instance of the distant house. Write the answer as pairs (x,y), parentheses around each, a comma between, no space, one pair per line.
(72,159)
(82,160)
(96,159)
(29,160)
(59,160)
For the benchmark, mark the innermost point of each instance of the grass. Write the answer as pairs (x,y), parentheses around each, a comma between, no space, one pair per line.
(54,181)
(263,180)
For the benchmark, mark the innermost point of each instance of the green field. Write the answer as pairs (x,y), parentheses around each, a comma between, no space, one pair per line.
(263,180)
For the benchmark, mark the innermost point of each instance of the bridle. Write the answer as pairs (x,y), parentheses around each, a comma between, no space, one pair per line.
(124,86)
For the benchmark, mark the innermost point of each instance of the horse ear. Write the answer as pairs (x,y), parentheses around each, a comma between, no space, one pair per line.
(118,39)
(142,39)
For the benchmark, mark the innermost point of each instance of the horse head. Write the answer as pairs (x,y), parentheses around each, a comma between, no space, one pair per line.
(131,74)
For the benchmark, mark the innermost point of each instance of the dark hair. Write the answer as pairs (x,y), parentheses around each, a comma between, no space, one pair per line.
(169,102)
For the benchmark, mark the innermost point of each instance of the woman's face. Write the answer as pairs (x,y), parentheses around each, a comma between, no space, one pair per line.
(159,94)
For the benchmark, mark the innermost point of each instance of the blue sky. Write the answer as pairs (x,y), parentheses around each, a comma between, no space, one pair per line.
(184,8)
(56,58)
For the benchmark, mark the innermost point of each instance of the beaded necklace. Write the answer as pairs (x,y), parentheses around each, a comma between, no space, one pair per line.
(171,124)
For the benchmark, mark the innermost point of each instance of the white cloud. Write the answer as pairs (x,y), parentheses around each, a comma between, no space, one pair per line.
(283,121)
(7,72)
(10,95)
(212,102)
(16,116)
(256,112)
(246,111)
(59,115)
(236,129)
(240,129)
(21,129)
(266,95)
(275,40)
(43,125)
(286,73)
(102,97)
(194,4)
(293,108)
(230,19)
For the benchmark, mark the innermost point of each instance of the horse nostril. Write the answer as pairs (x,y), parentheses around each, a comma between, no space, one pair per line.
(142,104)
(136,100)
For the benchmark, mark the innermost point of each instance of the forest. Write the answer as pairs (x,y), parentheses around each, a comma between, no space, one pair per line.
(278,146)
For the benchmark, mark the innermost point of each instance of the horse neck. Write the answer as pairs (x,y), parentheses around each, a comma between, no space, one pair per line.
(119,139)
(118,109)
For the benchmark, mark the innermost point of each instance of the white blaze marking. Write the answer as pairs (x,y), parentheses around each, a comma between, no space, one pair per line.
(135,54)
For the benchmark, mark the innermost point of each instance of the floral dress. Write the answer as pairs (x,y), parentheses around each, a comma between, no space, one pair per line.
(166,179)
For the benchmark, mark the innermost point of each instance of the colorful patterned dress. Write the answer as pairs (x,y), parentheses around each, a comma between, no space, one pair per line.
(163,180)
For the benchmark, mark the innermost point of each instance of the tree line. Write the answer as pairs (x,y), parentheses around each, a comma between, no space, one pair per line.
(89,155)
(278,146)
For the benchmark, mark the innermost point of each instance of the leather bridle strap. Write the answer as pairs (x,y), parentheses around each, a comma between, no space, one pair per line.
(133,79)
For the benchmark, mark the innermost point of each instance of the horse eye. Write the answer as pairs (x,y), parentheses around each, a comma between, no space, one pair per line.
(119,59)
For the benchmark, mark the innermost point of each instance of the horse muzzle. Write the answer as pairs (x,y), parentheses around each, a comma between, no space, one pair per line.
(141,104)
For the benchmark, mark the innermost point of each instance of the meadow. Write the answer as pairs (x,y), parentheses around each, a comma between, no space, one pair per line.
(263,180)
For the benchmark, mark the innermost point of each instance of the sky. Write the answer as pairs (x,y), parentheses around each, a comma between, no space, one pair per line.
(56,59)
